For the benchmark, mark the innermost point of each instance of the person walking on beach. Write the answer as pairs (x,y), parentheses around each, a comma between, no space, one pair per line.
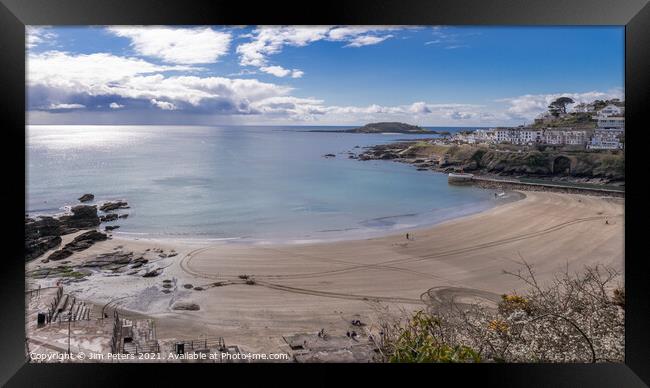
(407,236)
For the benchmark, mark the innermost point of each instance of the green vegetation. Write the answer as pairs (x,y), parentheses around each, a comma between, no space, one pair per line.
(510,159)
(574,120)
(559,105)
(419,340)
(576,317)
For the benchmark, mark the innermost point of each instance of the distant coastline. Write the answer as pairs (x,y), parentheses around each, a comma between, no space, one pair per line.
(387,127)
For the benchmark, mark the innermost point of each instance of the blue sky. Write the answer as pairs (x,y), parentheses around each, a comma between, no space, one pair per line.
(324,75)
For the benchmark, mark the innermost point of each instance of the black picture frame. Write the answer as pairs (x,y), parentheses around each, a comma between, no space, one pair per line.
(15,14)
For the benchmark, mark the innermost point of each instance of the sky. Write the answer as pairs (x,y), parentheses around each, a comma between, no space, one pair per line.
(315,75)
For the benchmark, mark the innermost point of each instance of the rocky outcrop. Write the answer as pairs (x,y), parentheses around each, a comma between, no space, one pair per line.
(85,240)
(60,255)
(82,217)
(43,233)
(41,227)
(109,259)
(110,206)
(80,243)
(36,247)
(111,227)
(86,198)
(108,217)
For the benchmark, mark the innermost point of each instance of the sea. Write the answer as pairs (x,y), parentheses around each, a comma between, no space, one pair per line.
(242,184)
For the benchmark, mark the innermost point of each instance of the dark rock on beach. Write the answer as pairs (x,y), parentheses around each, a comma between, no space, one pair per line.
(86,198)
(60,254)
(113,258)
(185,306)
(44,233)
(152,273)
(111,227)
(91,235)
(80,243)
(36,247)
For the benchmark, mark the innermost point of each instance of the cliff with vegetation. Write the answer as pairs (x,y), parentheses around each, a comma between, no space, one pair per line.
(605,166)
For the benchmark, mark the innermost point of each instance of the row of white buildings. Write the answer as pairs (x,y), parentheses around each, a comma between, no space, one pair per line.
(607,134)
(524,136)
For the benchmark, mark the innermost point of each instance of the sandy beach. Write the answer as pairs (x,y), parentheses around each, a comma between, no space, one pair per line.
(252,295)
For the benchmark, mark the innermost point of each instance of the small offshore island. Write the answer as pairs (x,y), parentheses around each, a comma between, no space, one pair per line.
(387,127)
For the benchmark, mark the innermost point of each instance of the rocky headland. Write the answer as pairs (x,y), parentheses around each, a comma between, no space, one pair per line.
(551,163)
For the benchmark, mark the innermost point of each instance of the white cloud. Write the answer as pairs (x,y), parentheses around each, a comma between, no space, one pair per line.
(60,81)
(419,108)
(449,37)
(76,78)
(92,73)
(529,106)
(65,106)
(164,105)
(456,115)
(347,33)
(35,36)
(177,45)
(366,40)
(280,71)
(269,40)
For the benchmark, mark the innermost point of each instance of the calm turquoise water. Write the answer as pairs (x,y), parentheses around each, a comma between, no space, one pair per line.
(240,183)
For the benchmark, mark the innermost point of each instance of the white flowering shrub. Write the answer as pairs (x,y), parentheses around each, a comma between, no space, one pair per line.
(575,318)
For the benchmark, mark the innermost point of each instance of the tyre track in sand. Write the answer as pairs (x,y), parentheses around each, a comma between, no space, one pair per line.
(186,260)
(451,252)
(296,290)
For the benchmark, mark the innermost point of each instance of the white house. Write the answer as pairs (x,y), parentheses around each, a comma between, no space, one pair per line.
(608,122)
(575,137)
(606,139)
(517,136)
(553,137)
(607,136)
(610,110)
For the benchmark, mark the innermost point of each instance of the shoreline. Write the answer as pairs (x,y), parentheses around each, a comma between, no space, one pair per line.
(305,287)
(366,233)
(424,220)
